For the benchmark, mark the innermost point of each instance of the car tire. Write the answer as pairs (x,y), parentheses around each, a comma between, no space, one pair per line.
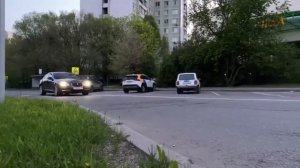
(143,88)
(126,90)
(42,91)
(197,90)
(101,88)
(85,93)
(57,92)
(92,89)
(179,91)
(153,88)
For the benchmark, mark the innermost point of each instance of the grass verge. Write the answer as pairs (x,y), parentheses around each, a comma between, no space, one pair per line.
(43,133)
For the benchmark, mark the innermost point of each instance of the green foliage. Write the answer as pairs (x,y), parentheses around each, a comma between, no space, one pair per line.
(162,162)
(42,133)
(232,38)
(99,37)
(138,48)
(168,72)
(103,46)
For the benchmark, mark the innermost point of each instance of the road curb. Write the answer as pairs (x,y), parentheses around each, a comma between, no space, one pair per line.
(142,142)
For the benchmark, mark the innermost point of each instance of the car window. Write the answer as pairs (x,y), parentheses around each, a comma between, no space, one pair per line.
(63,75)
(186,77)
(130,77)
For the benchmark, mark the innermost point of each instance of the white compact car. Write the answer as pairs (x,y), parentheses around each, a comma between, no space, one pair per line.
(187,82)
(138,82)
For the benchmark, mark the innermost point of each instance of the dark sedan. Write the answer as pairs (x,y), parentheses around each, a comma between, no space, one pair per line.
(63,83)
(97,84)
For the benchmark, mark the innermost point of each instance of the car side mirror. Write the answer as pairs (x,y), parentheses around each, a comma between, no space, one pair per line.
(50,78)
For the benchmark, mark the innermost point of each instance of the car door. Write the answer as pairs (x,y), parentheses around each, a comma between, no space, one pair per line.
(48,82)
(148,81)
(45,82)
(51,83)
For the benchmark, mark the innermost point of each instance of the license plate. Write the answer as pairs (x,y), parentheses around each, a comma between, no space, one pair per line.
(77,88)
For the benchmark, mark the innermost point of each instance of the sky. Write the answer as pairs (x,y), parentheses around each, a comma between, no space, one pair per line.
(16,9)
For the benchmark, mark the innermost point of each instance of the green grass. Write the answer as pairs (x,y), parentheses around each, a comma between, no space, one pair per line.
(48,134)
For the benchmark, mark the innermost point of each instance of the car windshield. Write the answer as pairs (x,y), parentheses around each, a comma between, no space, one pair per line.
(186,77)
(131,77)
(63,75)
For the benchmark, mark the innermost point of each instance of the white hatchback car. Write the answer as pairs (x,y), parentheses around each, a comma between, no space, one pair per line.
(138,82)
(187,82)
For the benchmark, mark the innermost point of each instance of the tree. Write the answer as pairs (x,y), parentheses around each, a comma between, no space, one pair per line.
(129,53)
(138,48)
(148,36)
(235,33)
(99,38)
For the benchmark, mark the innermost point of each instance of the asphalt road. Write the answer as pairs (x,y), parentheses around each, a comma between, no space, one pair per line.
(214,129)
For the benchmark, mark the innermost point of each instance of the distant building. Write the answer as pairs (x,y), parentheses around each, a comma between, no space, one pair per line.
(170,15)
(290,31)
(116,8)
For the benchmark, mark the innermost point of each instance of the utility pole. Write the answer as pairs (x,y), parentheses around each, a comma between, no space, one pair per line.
(2,50)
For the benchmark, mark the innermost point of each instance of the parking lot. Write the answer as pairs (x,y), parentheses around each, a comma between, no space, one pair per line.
(215,129)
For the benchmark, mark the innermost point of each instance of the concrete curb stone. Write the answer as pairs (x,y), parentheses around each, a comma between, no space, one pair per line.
(144,143)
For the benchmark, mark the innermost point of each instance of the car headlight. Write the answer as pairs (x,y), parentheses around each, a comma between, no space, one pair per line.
(64,84)
(87,83)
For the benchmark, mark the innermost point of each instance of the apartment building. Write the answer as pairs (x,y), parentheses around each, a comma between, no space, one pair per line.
(116,8)
(170,15)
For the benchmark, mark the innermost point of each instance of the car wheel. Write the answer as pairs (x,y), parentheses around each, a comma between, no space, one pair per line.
(179,91)
(126,90)
(56,91)
(42,91)
(153,88)
(197,90)
(92,89)
(85,93)
(143,88)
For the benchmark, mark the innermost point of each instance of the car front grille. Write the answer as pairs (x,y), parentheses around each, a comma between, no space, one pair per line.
(76,84)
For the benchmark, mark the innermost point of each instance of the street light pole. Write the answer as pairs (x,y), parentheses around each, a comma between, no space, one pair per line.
(2,50)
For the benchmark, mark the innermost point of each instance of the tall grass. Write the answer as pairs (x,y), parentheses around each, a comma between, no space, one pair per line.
(43,133)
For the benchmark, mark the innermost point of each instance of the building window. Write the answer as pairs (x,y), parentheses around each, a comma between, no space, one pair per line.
(166,30)
(166,3)
(166,21)
(105,1)
(157,3)
(166,12)
(174,2)
(175,12)
(157,13)
(175,40)
(175,22)
(175,29)
(158,21)
(104,11)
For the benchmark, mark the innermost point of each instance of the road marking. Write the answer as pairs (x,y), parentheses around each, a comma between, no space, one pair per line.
(202,98)
(267,94)
(215,93)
